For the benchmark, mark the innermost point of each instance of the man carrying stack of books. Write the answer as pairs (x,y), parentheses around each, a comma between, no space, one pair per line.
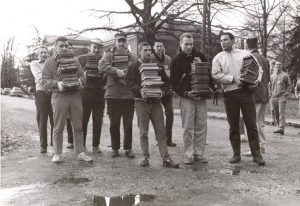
(147,81)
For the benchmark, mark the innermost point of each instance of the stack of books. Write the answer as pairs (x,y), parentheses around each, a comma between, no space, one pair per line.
(249,71)
(67,71)
(200,78)
(92,67)
(150,81)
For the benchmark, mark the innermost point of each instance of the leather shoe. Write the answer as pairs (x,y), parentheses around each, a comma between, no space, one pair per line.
(144,163)
(281,131)
(235,159)
(259,161)
(129,153)
(115,153)
(43,150)
(171,144)
(170,164)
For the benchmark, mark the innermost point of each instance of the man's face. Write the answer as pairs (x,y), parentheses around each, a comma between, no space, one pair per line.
(146,53)
(121,43)
(43,54)
(226,43)
(96,49)
(186,45)
(62,47)
(159,48)
(278,67)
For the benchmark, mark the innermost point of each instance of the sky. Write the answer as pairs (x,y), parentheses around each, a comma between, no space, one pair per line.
(19,18)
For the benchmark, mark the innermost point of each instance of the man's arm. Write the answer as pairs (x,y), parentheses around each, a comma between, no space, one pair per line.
(105,65)
(289,86)
(48,75)
(131,80)
(218,75)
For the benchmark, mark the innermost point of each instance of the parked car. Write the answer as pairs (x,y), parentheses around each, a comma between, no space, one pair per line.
(16,91)
(6,91)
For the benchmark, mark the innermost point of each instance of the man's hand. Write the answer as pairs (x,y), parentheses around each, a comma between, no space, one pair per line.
(192,95)
(256,83)
(60,86)
(237,81)
(120,73)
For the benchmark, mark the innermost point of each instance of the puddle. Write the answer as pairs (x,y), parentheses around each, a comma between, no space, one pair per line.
(8,194)
(126,200)
(72,180)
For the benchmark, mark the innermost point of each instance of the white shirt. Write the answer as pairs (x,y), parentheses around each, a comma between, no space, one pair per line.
(227,65)
(37,68)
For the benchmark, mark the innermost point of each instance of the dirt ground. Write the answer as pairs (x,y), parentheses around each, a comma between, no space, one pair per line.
(29,178)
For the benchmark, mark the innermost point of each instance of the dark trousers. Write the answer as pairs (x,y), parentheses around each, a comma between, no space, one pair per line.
(43,111)
(117,109)
(70,131)
(92,102)
(167,102)
(236,101)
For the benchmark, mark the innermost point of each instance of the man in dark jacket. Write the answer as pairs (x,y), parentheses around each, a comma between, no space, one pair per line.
(261,91)
(120,100)
(148,108)
(167,101)
(92,94)
(193,108)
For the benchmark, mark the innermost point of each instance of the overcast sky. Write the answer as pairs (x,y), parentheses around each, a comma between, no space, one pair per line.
(20,17)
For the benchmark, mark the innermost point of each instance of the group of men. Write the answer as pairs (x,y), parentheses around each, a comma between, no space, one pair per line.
(121,86)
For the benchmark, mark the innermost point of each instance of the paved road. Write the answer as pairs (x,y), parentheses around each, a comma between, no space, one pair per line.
(29,178)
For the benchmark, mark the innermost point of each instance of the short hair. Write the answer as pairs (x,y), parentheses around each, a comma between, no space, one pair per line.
(158,41)
(229,34)
(252,43)
(42,47)
(143,44)
(60,38)
(187,35)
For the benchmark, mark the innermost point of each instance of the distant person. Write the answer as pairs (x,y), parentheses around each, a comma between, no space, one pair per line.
(226,69)
(281,87)
(261,91)
(92,93)
(149,109)
(272,71)
(167,101)
(65,101)
(42,98)
(120,100)
(192,106)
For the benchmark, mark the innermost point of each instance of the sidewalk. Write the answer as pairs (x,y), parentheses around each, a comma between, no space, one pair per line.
(268,119)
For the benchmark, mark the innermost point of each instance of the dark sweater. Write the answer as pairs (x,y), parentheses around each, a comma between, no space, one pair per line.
(180,72)
(98,83)
(133,78)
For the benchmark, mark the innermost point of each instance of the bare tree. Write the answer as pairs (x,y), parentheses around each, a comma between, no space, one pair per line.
(8,72)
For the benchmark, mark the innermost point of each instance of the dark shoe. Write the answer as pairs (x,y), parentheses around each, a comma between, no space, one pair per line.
(170,164)
(144,163)
(235,159)
(171,144)
(200,158)
(43,150)
(259,161)
(280,131)
(115,153)
(70,146)
(97,150)
(129,153)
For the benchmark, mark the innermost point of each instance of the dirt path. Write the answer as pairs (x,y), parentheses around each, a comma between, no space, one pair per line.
(29,178)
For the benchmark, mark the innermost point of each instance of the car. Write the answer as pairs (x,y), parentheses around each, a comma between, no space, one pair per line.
(16,91)
(6,91)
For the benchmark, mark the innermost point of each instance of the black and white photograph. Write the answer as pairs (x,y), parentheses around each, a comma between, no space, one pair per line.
(150,103)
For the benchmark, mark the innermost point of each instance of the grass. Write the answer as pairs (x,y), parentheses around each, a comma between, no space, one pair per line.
(292,110)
